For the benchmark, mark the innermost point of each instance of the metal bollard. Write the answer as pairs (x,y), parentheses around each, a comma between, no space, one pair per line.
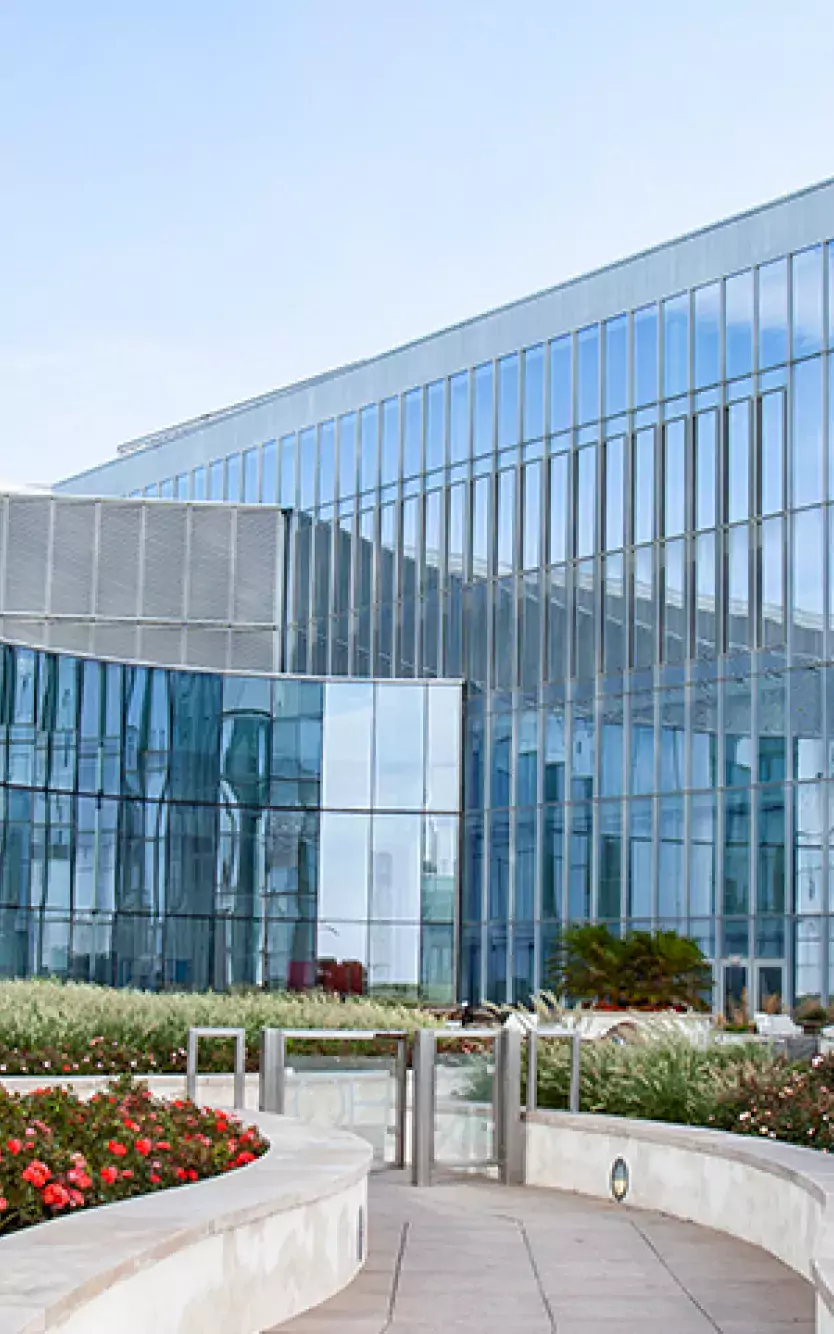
(272,1078)
(422,1111)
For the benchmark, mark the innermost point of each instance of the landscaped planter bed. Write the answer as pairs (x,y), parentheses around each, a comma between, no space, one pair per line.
(60,1154)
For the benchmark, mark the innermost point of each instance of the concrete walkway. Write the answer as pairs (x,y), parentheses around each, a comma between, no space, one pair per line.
(472,1257)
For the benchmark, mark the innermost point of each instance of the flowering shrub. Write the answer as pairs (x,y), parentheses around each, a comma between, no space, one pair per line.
(58,1154)
(69,1029)
(781,1101)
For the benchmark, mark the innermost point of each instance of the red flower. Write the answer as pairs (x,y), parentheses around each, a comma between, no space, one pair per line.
(56,1196)
(192,1175)
(162,1144)
(143,1146)
(244,1158)
(4,1203)
(76,1198)
(117,1149)
(14,1145)
(133,1126)
(109,1175)
(154,1179)
(128,1172)
(182,1175)
(79,1178)
(37,1174)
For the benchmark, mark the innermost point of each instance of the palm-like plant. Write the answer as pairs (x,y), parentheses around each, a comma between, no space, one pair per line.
(642,970)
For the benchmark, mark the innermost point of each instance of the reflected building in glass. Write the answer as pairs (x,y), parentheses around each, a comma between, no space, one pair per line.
(606,510)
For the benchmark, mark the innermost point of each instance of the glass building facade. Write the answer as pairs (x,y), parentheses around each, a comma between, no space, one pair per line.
(184,829)
(608,509)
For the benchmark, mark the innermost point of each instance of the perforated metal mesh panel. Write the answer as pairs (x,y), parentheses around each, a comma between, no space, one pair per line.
(164,561)
(26,553)
(73,558)
(69,635)
(256,565)
(161,644)
(206,648)
(112,639)
(211,544)
(252,650)
(118,572)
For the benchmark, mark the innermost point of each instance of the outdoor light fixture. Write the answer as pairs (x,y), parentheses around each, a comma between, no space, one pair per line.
(619,1179)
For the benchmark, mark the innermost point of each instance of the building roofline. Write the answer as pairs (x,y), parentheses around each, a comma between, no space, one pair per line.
(165,434)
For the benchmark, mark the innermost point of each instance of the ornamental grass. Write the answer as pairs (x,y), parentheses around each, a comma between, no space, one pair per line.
(70,1029)
(59,1154)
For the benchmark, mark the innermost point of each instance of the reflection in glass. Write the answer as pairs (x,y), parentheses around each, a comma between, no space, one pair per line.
(676,345)
(484,410)
(674,477)
(772,427)
(586,497)
(616,365)
(706,434)
(390,460)
(643,484)
(346,779)
(738,329)
(459,417)
(561,392)
(398,749)
(807,301)
(645,355)
(614,522)
(738,461)
(707,342)
(412,432)
(807,433)
(558,508)
(773,313)
(534,393)
(587,373)
(435,425)
(369,448)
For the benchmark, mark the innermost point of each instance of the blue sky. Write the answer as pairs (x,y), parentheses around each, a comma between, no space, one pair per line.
(201,200)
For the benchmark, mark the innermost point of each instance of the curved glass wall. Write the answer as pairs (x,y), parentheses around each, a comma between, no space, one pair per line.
(184,829)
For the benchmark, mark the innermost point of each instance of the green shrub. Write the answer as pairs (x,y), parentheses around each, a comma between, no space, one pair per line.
(780,1101)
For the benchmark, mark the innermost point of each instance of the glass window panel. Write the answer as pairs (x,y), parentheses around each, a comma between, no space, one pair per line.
(773,313)
(675,477)
(738,460)
(181,486)
(645,355)
(346,776)
(610,856)
(707,341)
(739,324)
(506,522)
(561,395)
(676,345)
(166,488)
(644,610)
(216,471)
(587,373)
(233,479)
(614,492)
(484,409)
(738,588)
(390,463)
(806,301)
(459,416)
(614,629)
(558,508)
(347,456)
(671,880)
(772,407)
(579,861)
(586,494)
(443,748)
(807,433)
(643,528)
(369,447)
(435,425)
(674,612)
(808,558)
(198,482)
(307,467)
(773,573)
(585,620)
(269,473)
(413,433)
(736,851)
(612,749)
(616,365)
(534,393)
(457,506)
(327,463)
(706,434)
(640,859)
(287,494)
(531,532)
(396,869)
(250,475)
(705,596)
(702,855)
(480,528)
(508,401)
(344,872)
(398,752)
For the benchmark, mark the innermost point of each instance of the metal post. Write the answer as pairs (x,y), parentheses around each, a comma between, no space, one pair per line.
(422,1112)
(509,1128)
(240,1071)
(401,1101)
(532,1069)
(191,1066)
(575,1057)
(271,1090)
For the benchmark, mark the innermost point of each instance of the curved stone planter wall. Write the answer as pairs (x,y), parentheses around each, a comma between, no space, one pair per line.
(771,1195)
(233,1255)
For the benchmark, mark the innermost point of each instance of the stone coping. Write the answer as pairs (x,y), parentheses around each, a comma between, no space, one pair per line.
(808,1169)
(49,1271)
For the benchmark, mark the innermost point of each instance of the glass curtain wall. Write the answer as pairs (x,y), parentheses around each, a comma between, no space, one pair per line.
(176,829)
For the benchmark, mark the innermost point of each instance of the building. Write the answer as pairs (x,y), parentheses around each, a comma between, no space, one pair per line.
(594,524)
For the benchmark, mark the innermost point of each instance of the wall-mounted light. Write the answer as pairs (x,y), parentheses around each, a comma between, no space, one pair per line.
(619,1179)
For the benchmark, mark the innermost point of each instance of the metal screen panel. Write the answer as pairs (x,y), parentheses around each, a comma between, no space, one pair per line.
(114,639)
(73,556)
(20,630)
(161,644)
(71,636)
(210,564)
(256,566)
(252,650)
(206,648)
(164,561)
(118,568)
(26,553)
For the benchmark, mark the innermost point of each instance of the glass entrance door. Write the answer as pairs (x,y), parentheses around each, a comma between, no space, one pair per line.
(735,994)
(770,986)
